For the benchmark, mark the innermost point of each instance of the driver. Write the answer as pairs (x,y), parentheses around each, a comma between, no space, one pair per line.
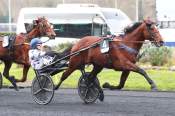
(37,55)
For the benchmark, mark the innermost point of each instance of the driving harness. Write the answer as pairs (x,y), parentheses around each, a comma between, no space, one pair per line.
(10,39)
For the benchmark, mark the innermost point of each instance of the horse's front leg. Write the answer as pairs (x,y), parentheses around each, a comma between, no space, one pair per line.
(25,72)
(7,67)
(123,79)
(149,80)
(133,67)
(129,66)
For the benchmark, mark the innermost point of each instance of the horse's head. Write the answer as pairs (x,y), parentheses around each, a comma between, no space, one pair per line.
(44,28)
(151,33)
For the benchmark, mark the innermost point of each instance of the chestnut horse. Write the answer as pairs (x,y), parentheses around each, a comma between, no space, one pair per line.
(122,54)
(19,50)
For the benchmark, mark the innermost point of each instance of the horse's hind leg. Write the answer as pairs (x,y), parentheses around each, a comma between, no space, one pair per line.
(25,71)
(65,76)
(123,79)
(7,67)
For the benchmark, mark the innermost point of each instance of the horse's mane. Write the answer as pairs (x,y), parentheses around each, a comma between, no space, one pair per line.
(130,29)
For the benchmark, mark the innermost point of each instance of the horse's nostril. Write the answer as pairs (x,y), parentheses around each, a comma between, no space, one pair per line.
(53,36)
(161,42)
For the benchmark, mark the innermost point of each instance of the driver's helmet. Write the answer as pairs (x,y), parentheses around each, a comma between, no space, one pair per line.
(34,42)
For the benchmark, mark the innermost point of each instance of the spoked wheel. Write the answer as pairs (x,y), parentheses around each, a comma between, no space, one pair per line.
(42,89)
(1,81)
(88,92)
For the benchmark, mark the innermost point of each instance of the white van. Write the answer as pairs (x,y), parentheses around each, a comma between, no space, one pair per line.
(74,21)
(116,20)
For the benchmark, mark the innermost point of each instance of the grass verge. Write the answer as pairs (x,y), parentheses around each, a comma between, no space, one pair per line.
(165,80)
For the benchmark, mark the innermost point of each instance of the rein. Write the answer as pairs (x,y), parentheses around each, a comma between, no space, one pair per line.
(117,40)
(21,44)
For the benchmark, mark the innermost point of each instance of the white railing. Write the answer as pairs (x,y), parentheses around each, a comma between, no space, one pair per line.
(6,27)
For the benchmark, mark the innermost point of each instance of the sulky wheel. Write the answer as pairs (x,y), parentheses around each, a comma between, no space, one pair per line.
(42,89)
(88,92)
(0,80)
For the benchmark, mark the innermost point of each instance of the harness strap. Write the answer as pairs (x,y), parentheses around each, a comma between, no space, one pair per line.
(10,47)
(127,48)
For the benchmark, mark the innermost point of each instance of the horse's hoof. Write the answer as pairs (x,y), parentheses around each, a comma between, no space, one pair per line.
(16,88)
(101,96)
(12,80)
(154,89)
(106,85)
(56,88)
(115,87)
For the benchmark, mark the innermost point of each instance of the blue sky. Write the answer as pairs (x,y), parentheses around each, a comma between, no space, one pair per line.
(166,7)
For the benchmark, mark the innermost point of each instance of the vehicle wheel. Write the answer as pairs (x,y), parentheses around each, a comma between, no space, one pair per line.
(88,92)
(1,82)
(42,89)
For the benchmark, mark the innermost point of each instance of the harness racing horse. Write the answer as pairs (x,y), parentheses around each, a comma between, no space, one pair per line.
(18,52)
(122,54)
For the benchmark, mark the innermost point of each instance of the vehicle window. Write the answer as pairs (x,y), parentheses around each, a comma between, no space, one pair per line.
(77,30)
(166,24)
(97,31)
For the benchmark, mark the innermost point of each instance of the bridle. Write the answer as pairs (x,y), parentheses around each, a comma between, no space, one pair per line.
(152,35)
(149,28)
(43,28)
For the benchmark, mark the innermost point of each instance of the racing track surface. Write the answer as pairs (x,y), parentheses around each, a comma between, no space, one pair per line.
(66,102)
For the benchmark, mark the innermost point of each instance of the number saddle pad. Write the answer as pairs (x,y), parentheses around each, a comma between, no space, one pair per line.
(104,46)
